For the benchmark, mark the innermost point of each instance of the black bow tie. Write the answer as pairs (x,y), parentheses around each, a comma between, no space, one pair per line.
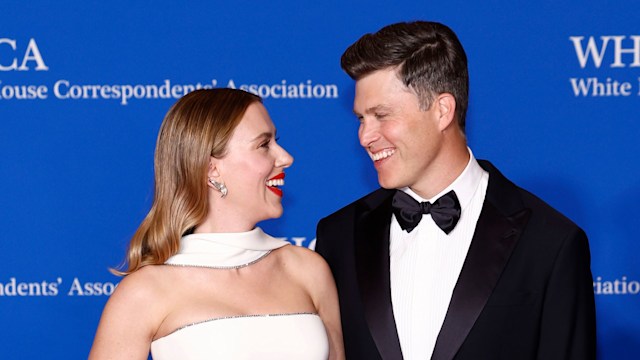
(445,211)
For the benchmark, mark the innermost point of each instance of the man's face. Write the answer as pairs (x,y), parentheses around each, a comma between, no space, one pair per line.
(402,140)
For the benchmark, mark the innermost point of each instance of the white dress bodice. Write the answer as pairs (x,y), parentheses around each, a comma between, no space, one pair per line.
(255,336)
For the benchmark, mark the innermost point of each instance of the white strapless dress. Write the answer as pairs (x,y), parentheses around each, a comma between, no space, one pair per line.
(260,336)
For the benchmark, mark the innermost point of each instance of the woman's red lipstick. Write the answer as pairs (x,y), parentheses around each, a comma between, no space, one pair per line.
(274,182)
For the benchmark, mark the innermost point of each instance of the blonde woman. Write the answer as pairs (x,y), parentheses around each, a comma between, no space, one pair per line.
(203,282)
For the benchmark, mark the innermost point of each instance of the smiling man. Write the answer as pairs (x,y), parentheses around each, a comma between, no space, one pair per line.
(449,259)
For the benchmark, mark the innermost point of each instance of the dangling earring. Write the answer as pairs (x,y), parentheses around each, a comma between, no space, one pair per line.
(220,187)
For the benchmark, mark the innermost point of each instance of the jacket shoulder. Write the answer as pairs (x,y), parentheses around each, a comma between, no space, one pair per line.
(365,203)
(545,213)
(510,198)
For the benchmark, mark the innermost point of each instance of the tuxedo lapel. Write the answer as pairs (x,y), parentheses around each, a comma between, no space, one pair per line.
(372,266)
(494,238)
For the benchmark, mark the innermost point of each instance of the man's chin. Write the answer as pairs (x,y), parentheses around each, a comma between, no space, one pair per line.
(389,184)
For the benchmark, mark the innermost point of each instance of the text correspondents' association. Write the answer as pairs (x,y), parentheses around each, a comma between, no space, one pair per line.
(125,93)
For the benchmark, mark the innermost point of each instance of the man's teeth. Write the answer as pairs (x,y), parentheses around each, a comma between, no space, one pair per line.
(276,182)
(381,155)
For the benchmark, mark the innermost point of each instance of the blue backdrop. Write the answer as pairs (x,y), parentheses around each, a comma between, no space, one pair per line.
(555,90)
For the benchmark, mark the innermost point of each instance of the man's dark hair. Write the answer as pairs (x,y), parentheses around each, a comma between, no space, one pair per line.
(429,58)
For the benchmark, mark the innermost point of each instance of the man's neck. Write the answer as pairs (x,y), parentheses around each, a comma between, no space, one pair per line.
(444,173)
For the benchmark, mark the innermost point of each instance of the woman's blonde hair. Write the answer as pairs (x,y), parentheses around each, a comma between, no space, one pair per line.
(198,126)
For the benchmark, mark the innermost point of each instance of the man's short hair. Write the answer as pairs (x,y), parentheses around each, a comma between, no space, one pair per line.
(429,58)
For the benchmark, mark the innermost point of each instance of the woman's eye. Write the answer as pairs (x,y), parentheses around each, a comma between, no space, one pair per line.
(267,143)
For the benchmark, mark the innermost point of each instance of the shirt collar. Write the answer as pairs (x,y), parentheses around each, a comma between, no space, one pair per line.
(465,185)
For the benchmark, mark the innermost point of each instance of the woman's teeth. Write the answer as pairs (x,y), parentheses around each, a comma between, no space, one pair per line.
(276,182)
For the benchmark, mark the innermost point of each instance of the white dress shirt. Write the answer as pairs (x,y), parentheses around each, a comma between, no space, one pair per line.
(426,263)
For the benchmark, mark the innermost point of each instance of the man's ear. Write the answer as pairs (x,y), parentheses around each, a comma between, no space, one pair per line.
(446,105)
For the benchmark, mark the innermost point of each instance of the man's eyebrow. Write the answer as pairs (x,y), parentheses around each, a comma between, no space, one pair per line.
(373,109)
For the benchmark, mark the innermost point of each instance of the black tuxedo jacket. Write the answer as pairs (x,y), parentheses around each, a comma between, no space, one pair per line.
(525,290)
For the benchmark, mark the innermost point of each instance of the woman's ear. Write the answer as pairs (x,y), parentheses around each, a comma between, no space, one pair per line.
(213,173)
(214,177)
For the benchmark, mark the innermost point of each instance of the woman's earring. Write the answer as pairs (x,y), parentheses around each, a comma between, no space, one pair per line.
(220,187)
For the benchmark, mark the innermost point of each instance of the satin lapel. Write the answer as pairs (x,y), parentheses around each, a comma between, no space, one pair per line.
(372,266)
(493,241)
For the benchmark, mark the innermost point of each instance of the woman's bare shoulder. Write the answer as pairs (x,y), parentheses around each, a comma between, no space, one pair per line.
(147,279)
(306,264)
(137,290)
(133,313)
(300,255)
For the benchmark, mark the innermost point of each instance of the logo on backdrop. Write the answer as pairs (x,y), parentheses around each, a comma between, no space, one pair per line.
(618,286)
(15,287)
(301,241)
(610,54)
(14,56)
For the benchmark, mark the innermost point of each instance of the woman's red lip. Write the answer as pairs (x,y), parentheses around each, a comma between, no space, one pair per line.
(275,190)
(279,176)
